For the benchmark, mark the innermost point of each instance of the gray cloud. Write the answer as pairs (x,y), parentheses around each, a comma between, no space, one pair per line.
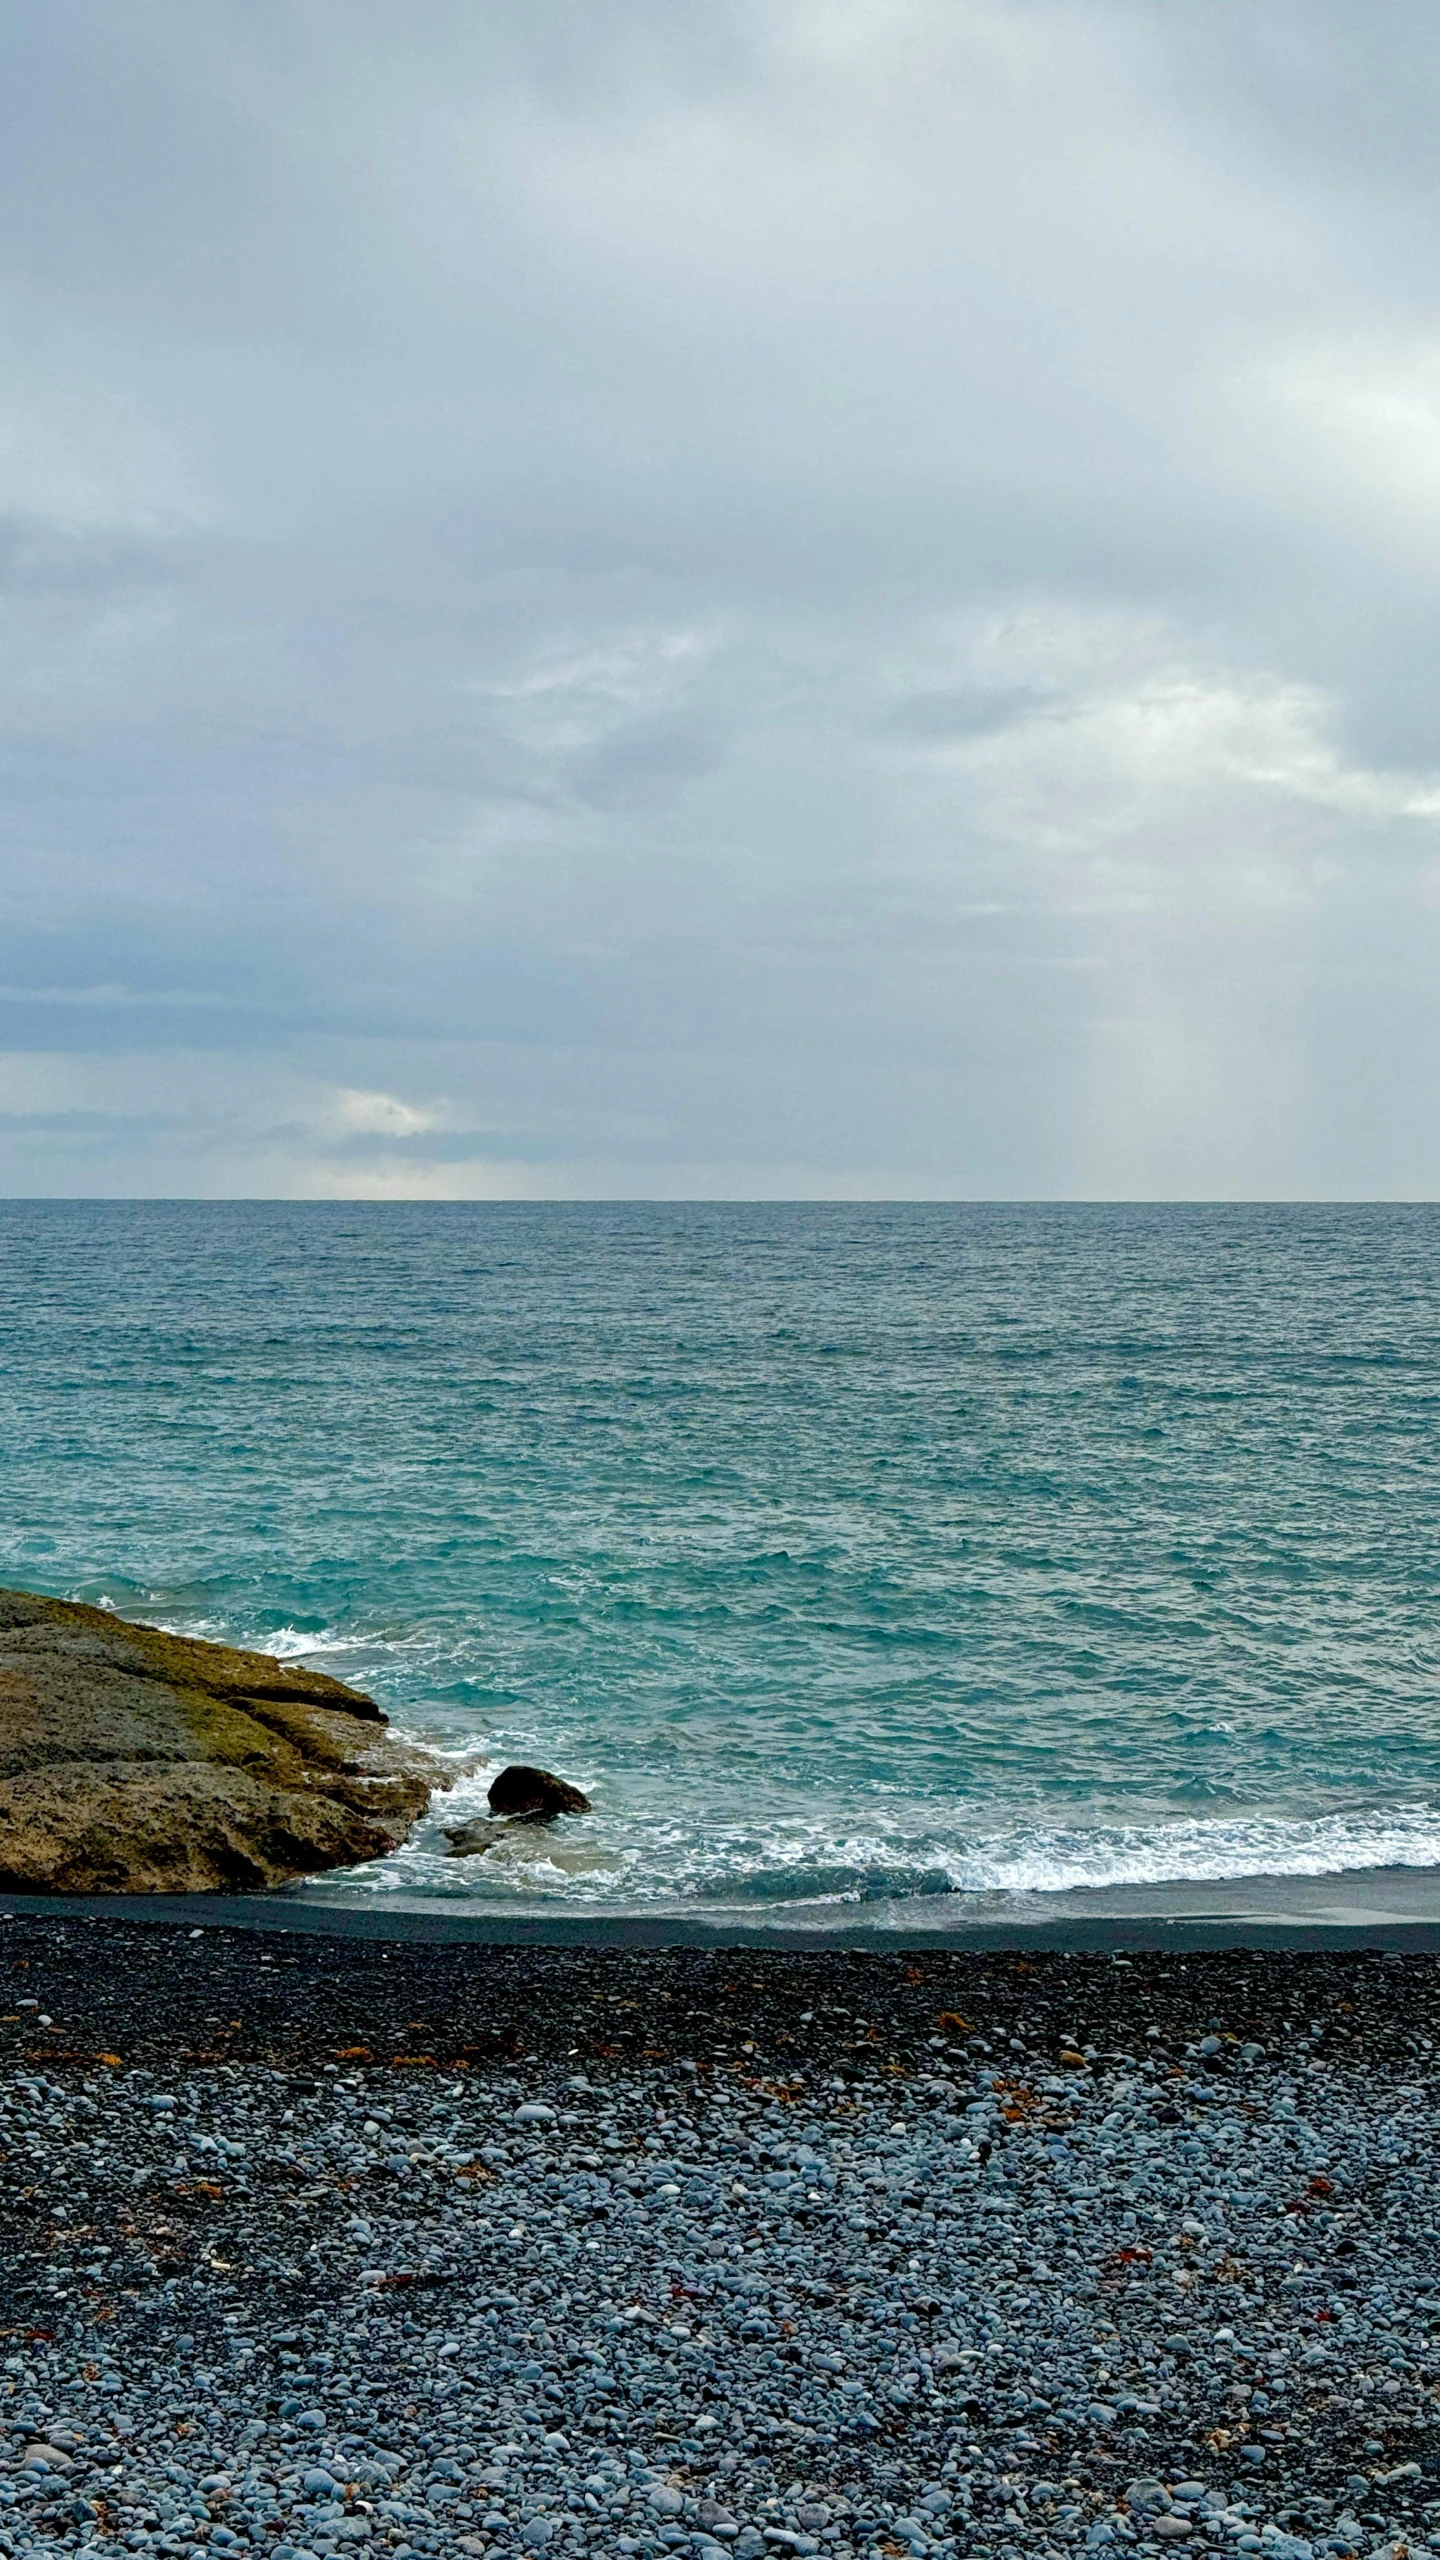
(706,596)
(942,719)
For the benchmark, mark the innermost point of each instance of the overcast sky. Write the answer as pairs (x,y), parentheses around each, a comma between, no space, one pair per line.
(759,597)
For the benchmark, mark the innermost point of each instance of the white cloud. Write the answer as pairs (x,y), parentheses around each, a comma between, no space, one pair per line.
(381,1115)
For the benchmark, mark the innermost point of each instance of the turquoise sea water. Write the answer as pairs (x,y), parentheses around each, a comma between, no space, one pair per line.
(844,1555)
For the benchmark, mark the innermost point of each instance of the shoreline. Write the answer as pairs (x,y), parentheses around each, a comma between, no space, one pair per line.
(1387,1907)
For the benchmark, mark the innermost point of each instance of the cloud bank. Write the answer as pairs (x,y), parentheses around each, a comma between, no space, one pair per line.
(701,597)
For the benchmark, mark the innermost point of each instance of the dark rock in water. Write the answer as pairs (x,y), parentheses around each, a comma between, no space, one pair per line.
(520,1843)
(522,1801)
(472,1839)
(534,1795)
(489,1831)
(132,1761)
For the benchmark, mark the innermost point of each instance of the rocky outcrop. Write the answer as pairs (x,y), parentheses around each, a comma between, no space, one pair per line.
(132,1761)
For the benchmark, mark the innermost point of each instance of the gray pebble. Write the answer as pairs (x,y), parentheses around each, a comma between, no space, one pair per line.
(629,2311)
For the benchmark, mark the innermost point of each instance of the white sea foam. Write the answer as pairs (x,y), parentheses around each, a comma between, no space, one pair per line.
(1198,1852)
(295,1644)
(287,1644)
(649,1860)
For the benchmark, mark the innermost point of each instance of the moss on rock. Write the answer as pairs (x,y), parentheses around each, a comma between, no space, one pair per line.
(133,1761)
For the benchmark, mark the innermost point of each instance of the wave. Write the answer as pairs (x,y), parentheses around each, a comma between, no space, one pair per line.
(298,1644)
(285,1642)
(1193,1851)
(650,1859)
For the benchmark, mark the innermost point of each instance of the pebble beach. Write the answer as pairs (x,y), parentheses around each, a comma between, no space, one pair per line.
(311,2242)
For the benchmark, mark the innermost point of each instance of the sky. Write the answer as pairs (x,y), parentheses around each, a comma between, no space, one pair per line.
(720,598)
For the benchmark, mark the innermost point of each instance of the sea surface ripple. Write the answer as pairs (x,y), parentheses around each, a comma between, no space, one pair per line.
(843,1554)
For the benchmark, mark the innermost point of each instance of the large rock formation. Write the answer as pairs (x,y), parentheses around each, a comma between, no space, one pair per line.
(137,1762)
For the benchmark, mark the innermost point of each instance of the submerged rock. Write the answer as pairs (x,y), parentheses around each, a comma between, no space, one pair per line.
(534,1795)
(525,1844)
(132,1761)
(472,1839)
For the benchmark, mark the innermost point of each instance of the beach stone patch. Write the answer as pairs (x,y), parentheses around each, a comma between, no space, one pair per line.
(898,2287)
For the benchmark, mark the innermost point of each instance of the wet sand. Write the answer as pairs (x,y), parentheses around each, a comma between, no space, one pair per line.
(1387,1907)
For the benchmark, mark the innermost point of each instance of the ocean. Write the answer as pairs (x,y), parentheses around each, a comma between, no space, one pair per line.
(847,1556)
